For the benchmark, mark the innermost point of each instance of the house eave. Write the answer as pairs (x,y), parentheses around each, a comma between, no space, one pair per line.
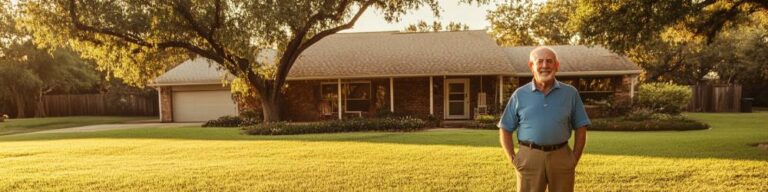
(390,75)
(185,83)
(523,74)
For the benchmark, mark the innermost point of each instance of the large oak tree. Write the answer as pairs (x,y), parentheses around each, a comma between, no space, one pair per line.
(139,39)
(525,23)
(622,25)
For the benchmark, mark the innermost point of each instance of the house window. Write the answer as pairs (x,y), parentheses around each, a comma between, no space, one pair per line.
(328,94)
(357,95)
(596,88)
(590,88)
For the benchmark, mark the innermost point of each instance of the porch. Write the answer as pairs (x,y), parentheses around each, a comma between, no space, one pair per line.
(443,97)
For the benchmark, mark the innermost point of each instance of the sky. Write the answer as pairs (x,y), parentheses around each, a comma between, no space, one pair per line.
(471,15)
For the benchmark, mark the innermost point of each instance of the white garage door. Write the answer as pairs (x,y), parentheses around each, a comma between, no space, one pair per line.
(198,106)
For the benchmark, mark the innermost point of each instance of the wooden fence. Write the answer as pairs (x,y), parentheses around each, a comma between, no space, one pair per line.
(100,104)
(715,98)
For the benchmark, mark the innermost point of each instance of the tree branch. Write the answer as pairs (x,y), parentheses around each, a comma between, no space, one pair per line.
(288,59)
(216,17)
(135,39)
(718,19)
(187,15)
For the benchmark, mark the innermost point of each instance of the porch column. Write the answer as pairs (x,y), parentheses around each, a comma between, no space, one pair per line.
(338,88)
(391,95)
(501,90)
(431,96)
(160,102)
(445,98)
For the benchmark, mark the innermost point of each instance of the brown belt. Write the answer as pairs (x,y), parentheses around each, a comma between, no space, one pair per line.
(543,147)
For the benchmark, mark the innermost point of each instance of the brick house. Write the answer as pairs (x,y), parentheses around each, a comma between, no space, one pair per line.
(448,75)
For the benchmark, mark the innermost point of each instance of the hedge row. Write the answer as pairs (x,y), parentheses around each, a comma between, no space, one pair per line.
(231,121)
(350,125)
(657,122)
(619,124)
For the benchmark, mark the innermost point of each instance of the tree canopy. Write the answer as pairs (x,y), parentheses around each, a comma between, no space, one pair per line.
(520,23)
(137,40)
(28,73)
(625,24)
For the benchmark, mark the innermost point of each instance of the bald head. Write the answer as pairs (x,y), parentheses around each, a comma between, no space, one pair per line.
(540,52)
(544,64)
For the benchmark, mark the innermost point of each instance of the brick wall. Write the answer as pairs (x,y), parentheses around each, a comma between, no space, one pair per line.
(302,100)
(166,104)
(411,95)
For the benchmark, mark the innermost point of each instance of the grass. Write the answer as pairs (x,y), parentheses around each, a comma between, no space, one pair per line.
(216,159)
(14,126)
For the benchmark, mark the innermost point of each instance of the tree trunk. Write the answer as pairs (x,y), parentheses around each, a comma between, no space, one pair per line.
(271,107)
(19,100)
(40,109)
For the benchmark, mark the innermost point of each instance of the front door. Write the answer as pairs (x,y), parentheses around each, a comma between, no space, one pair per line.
(457,98)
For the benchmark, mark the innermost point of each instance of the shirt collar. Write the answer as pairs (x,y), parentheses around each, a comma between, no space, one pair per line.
(533,85)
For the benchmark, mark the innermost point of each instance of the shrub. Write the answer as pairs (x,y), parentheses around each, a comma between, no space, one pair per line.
(639,114)
(251,114)
(487,119)
(433,121)
(486,122)
(2,118)
(251,117)
(612,106)
(666,98)
(349,125)
(619,124)
(224,121)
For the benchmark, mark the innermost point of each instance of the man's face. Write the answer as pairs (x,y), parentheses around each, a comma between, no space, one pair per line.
(544,65)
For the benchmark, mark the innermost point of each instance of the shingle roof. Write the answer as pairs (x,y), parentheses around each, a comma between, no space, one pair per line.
(401,54)
(198,71)
(398,54)
(576,60)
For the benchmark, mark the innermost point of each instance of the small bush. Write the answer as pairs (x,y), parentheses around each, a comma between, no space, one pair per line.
(486,119)
(666,98)
(639,114)
(350,125)
(246,118)
(251,114)
(612,106)
(619,124)
(251,117)
(224,121)
(486,122)
(433,121)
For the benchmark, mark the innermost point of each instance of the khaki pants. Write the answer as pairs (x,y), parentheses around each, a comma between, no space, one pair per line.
(537,169)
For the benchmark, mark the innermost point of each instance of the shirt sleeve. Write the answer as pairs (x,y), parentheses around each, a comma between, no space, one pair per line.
(579,116)
(509,119)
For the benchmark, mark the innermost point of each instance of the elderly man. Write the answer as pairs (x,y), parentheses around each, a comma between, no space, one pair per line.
(544,112)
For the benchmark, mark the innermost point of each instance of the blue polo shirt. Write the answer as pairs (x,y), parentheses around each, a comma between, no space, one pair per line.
(544,119)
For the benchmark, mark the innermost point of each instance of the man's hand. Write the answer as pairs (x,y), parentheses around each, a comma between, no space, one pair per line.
(507,143)
(579,141)
(577,157)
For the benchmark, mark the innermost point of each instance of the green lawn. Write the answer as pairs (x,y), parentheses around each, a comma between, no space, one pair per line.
(14,126)
(215,159)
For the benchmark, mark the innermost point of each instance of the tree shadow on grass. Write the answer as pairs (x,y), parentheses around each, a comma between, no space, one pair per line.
(667,144)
